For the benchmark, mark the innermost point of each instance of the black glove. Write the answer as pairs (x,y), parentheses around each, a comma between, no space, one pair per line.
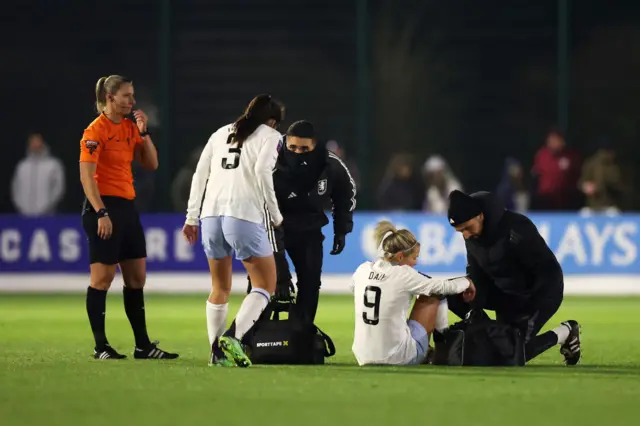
(284,291)
(339,241)
(284,284)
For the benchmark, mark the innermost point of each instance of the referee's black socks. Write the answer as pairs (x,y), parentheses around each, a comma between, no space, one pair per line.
(134,307)
(96,309)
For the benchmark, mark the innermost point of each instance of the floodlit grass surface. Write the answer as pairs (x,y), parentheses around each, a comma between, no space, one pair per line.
(47,375)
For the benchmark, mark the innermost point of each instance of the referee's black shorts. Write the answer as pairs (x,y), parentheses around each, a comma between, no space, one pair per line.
(127,239)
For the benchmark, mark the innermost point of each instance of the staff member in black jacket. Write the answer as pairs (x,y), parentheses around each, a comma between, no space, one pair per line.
(514,271)
(306,177)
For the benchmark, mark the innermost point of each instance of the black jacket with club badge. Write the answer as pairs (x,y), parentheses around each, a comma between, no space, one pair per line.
(512,255)
(306,183)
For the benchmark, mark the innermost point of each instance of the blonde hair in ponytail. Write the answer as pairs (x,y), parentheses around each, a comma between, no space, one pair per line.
(397,240)
(101,95)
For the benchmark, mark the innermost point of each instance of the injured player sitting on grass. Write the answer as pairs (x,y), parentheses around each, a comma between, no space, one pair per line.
(383,291)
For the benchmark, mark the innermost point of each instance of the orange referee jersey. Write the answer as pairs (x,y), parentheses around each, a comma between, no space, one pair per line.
(111,146)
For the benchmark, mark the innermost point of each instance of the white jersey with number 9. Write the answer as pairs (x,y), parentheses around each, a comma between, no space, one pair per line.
(383,293)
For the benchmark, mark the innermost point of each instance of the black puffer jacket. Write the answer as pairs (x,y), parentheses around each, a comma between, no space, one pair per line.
(512,254)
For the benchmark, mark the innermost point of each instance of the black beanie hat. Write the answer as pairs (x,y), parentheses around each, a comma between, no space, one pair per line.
(462,207)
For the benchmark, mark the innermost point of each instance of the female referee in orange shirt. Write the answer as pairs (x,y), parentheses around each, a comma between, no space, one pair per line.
(112,224)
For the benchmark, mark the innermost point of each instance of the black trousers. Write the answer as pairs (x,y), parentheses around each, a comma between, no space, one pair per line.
(306,252)
(528,315)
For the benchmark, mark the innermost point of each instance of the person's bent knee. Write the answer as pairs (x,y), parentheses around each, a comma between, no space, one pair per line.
(136,282)
(425,311)
(428,300)
(134,273)
(219,295)
(102,276)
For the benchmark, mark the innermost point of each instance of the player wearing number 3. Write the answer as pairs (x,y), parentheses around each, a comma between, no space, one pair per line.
(383,291)
(234,176)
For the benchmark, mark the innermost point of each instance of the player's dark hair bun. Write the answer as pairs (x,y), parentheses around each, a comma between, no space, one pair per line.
(260,110)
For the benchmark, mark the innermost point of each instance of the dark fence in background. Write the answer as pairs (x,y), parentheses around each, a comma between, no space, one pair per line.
(473,81)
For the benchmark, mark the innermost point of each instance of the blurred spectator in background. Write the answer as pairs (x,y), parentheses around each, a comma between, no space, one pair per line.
(38,181)
(401,188)
(181,185)
(440,182)
(556,169)
(334,147)
(512,189)
(601,181)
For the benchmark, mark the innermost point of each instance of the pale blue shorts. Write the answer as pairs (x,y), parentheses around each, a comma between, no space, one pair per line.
(222,235)
(421,338)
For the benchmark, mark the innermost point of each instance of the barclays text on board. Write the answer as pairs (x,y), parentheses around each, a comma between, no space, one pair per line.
(594,245)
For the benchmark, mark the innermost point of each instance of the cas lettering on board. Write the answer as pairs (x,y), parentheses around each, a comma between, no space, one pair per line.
(40,245)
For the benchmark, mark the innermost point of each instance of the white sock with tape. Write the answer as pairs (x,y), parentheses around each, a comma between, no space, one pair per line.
(442,318)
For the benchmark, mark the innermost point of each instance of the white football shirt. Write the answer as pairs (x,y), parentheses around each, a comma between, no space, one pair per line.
(236,182)
(383,293)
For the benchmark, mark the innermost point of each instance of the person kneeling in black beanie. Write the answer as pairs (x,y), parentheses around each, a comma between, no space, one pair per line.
(515,273)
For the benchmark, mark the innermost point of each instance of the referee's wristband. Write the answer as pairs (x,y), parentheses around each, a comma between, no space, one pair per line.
(102,213)
(145,133)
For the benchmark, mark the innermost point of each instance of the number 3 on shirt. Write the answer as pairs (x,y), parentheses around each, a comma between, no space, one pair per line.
(227,163)
(372,292)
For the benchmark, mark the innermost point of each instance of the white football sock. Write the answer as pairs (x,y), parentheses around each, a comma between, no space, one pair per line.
(442,318)
(216,320)
(562,332)
(250,310)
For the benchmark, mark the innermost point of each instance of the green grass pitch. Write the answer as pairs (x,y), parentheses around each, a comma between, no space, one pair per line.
(47,376)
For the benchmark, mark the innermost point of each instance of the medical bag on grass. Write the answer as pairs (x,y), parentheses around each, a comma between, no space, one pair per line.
(276,340)
(479,341)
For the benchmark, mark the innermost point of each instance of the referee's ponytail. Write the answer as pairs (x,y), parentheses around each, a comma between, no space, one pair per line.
(261,110)
(391,241)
